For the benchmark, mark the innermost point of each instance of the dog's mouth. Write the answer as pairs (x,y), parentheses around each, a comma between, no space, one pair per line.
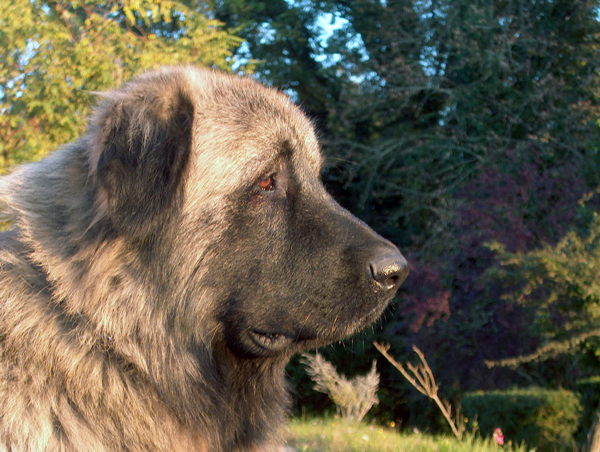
(270,342)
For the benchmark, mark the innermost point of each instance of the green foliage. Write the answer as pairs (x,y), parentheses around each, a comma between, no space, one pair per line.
(561,283)
(55,54)
(546,419)
(335,435)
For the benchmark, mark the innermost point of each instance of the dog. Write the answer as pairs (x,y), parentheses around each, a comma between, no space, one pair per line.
(160,272)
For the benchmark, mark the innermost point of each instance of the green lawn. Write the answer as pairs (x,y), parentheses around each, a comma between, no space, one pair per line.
(336,435)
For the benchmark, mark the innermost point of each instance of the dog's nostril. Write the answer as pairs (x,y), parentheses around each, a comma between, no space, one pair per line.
(389,270)
(391,282)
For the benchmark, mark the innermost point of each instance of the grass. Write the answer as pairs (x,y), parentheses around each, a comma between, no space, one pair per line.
(337,435)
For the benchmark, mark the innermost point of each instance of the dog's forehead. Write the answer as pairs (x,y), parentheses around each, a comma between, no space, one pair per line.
(242,120)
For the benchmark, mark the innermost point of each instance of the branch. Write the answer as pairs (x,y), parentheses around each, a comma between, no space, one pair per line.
(423,380)
(548,351)
(63,15)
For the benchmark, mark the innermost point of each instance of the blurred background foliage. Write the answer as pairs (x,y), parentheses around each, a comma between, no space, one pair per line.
(466,131)
(55,54)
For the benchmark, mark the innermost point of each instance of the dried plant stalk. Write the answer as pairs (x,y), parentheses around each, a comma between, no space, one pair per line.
(421,377)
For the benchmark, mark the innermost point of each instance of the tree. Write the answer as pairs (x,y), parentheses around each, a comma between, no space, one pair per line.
(446,88)
(282,36)
(56,54)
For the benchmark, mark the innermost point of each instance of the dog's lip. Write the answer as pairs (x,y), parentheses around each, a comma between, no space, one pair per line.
(272,342)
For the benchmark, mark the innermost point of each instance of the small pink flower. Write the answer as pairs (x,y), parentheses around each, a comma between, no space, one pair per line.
(498,436)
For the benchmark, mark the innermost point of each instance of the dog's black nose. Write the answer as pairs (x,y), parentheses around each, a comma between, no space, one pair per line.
(389,270)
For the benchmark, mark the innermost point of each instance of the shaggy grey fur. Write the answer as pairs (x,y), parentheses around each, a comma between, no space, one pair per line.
(161,271)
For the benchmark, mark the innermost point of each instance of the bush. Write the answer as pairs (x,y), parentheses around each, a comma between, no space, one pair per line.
(542,418)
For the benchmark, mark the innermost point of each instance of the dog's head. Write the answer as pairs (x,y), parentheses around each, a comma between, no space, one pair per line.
(221,176)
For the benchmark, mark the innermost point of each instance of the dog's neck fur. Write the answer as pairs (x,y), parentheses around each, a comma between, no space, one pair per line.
(170,377)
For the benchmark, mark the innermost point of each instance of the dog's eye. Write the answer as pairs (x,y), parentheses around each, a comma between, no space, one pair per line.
(267,183)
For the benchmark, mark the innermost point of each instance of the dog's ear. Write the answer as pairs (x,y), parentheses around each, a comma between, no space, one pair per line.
(145,145)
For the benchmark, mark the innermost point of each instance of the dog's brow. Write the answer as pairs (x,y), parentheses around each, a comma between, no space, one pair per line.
(286,149)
